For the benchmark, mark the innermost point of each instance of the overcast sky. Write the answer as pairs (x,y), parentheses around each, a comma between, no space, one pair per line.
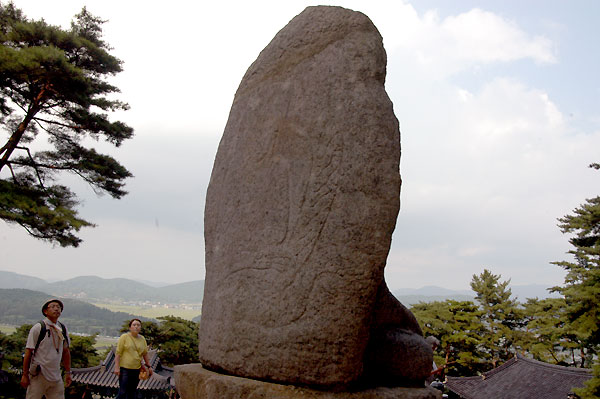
(498,110)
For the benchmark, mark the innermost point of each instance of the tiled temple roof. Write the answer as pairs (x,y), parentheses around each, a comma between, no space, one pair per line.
(102,376)
(521,378)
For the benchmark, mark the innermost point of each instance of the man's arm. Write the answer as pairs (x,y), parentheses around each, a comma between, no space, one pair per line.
(66,361)
(441,368)
(26,364)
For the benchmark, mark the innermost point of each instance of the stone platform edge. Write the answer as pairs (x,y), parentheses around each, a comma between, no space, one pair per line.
(195,382)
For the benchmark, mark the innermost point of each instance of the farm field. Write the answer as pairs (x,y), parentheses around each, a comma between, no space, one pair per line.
(105,342)
(7,329)
(187,314)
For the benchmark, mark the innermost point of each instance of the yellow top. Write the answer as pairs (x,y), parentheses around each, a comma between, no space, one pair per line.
(131,350)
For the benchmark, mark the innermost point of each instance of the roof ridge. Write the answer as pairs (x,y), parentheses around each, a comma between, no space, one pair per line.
(556,367)
(505,365)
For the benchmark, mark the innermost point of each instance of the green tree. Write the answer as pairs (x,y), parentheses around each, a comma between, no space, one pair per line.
(178,341)
(12,347)
(3,345)
(83,352)
(592,386)
(581,288)
(582,283)
(551,338)
(15,346)
(501,316)
(457,324)
(53,85)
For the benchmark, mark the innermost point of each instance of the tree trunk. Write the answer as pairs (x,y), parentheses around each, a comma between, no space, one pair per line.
(15,138)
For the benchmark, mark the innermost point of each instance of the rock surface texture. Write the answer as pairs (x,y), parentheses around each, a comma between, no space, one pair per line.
(195,382)
(300,210)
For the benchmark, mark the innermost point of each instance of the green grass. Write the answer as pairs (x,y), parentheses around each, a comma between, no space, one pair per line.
(187,314)
(105,342)
(7,329)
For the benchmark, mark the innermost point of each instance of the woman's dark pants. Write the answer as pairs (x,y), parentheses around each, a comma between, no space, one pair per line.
(128,382)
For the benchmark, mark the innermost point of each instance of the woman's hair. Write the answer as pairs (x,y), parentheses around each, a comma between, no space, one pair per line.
(132,320)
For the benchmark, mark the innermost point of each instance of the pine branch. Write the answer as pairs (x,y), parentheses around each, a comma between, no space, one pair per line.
(58,124)
(34,166)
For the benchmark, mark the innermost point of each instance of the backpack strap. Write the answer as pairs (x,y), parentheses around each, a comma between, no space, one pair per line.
(64,332)
(43,331)
(41,335)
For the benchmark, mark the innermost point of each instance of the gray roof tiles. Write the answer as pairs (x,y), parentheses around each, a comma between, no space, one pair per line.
(521,378)
(102,375)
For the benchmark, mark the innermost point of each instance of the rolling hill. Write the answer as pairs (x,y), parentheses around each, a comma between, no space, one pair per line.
(21,306)
(15,280)
(97,289)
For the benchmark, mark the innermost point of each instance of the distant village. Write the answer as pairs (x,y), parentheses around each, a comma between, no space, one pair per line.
(136,303)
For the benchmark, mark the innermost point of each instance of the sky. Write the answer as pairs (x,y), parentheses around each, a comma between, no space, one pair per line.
(499,119)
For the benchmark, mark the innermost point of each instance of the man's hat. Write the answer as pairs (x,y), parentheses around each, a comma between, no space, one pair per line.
(62,307)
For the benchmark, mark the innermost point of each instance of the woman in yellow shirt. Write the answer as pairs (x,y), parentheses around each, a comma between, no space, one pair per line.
(131,348)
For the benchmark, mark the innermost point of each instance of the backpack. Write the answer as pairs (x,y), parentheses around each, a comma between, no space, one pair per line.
(43,331)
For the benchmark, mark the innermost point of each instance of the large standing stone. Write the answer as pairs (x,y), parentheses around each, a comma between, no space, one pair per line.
(194,382)
(300,210)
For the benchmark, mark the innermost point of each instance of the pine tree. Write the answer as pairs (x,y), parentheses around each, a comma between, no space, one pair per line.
(83,352)
(53,85)
(501,316)
(457,325)
(582,283)
(551,338)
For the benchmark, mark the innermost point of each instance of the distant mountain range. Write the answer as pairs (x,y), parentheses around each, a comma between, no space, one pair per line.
(411,296)
(14,280)
(96,289)
(430,293)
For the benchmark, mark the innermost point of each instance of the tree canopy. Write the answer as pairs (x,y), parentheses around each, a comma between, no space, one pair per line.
(581,288)
(459,328)
(500,315)
(479,336)
(53,85)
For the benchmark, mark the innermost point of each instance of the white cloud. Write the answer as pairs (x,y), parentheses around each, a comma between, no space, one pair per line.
(465,41)
(486,169)
(482,36)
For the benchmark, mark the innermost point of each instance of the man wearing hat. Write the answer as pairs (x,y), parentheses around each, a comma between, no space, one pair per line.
(41,365)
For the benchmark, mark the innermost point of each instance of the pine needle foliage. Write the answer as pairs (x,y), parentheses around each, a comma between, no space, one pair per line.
(582,283)
(53,84)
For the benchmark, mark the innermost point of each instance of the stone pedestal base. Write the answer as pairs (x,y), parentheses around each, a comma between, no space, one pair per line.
(194,382)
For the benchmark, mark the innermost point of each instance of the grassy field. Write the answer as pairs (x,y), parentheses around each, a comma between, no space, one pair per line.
(187,314)
(105,342)
(7,329)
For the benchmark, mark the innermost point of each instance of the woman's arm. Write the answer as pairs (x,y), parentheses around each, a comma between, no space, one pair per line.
(147,361)
(118,351)
(117,369)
